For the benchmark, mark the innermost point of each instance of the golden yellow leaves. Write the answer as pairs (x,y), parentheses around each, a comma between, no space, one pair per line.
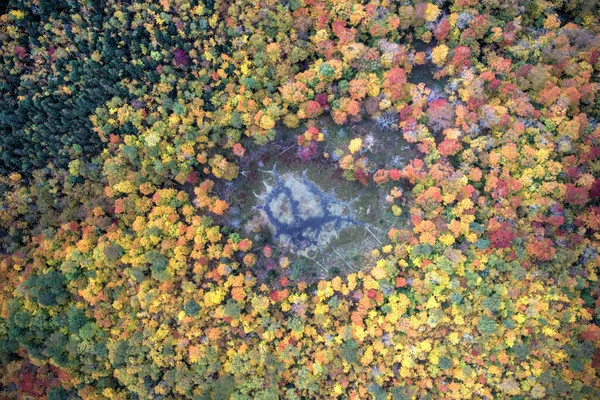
(439,54)
(459,320)
(336,284)
(379,272)
(126,187)
(320,36)
(446,239)
(454,338)
(321,309)
(17,14)
(367,357)
(432,303)
(324,290)
(260,304)
(548,331)
(432,12)
(398,304)
(374,86)
(552,22)
(213,234)
(338,389)
(84,245)
(266,122)
(222,168)
(284,262)
(355,145)
(214,297)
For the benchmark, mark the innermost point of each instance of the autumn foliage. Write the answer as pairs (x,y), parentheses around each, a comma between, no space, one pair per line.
(123,276)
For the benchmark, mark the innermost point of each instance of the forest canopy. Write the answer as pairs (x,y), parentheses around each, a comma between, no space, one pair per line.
(454,146)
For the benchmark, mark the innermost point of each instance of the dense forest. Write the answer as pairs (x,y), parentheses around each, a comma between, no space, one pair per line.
(300,199)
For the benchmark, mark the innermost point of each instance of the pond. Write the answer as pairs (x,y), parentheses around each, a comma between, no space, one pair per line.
(308,211)
(301,216)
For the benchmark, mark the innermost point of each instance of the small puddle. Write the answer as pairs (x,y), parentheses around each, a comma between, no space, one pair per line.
(301,216)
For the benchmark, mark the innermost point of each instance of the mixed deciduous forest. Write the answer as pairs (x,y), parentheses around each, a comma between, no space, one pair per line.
(300,199)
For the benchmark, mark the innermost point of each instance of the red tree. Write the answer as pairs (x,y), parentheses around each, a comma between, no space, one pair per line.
(502,237)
